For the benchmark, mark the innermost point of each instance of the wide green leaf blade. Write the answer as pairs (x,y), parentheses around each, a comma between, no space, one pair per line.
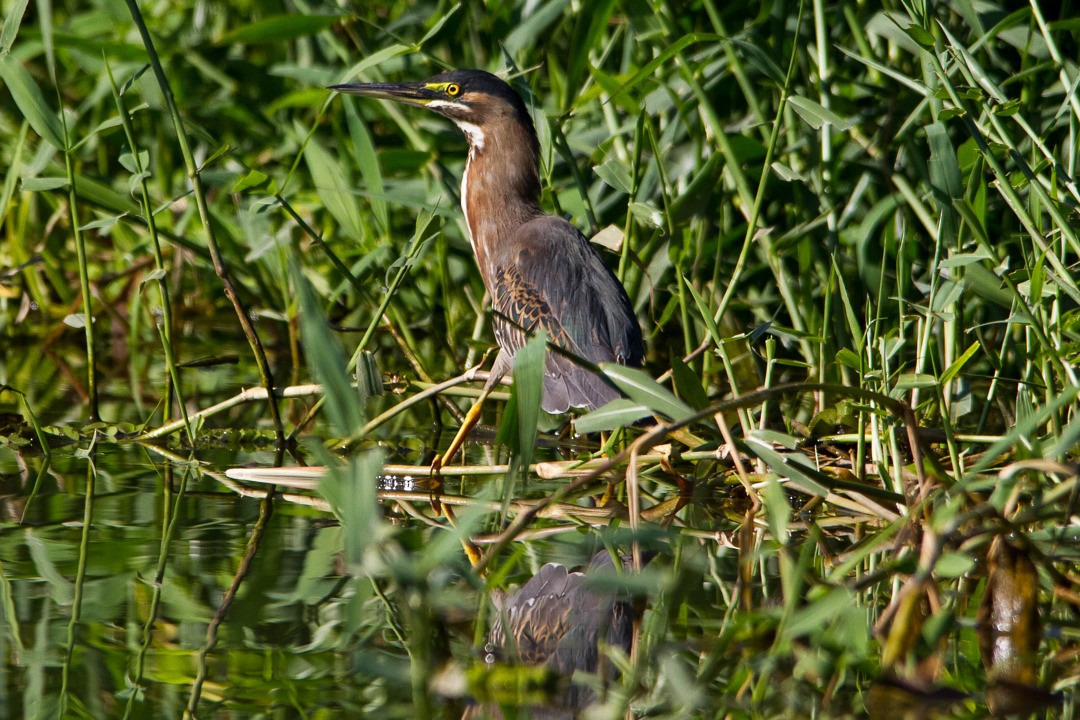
(523,412)
(11,25)
(817,115)
(334,189)
(616,414)
(326,356)
(31,103)
(638,386)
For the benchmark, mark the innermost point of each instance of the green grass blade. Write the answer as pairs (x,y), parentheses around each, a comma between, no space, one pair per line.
(31,103)
(326,357)
(642,389)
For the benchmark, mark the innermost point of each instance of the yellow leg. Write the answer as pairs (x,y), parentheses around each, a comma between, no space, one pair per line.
(471,550)
(471,418)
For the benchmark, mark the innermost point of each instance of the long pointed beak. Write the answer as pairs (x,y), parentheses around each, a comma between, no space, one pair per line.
(410,93)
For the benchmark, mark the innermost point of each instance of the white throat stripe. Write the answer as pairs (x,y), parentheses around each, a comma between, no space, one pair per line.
(473,132)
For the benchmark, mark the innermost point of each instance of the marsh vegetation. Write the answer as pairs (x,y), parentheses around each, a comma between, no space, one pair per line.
(848,232)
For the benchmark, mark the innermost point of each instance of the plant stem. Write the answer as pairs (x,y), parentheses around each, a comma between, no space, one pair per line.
(204,216)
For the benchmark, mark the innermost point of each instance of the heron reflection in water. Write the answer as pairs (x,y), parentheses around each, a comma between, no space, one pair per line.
(561,619)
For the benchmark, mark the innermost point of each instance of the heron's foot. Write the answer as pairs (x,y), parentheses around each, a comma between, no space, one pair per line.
(436,485)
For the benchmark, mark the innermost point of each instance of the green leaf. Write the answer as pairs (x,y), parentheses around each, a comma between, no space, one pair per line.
(1007,109)
(785,173)
(415,251)
(984,283)
(816,115)
(787,466)
(777,438)
(326,356)
(523,411)
(963,259)
(647,214)
(953,370)
(435,28)
(616,414)
(911,381)
(586,34)
(922,37)
(853,325)
(818,612)
(102,126)
(351,491)
(135,181)
(364,150)
(11,25)
(953,565)
(671,51)
(27,96)
(41,184)
(688,384)
(334,188)
(638,386)
(221,150)
(375,59)
(40,553)
(944,169)
(704,310)
(615,174)
(777,510)
(103,224)
(530,29)
(133,164)
(254,178)
(848,358)
(761,61)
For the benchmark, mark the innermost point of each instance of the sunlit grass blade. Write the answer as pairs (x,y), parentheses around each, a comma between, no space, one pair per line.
(523,410)
(616,414)
(642,389)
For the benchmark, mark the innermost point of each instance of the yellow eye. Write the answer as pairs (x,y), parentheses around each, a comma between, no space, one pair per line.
(453,89)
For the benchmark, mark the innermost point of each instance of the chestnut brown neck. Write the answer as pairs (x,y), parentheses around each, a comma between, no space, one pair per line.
(500,188)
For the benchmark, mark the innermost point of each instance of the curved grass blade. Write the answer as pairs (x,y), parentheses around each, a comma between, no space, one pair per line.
(31,103)
(523,411)
(327,357)
(641,388)
(616,414)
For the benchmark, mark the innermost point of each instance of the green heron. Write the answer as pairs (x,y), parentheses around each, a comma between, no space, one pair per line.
(559,618)
(540,272)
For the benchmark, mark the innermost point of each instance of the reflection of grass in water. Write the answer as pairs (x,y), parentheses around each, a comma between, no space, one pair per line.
(909,240)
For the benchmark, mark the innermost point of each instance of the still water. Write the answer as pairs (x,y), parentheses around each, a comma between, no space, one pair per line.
(299,639)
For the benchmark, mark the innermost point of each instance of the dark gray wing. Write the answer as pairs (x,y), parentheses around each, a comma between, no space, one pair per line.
(556,280)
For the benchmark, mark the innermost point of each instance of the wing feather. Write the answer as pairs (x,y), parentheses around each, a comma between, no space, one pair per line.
(551,277)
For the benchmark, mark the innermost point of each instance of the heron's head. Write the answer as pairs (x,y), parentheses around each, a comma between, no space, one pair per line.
(477,101)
